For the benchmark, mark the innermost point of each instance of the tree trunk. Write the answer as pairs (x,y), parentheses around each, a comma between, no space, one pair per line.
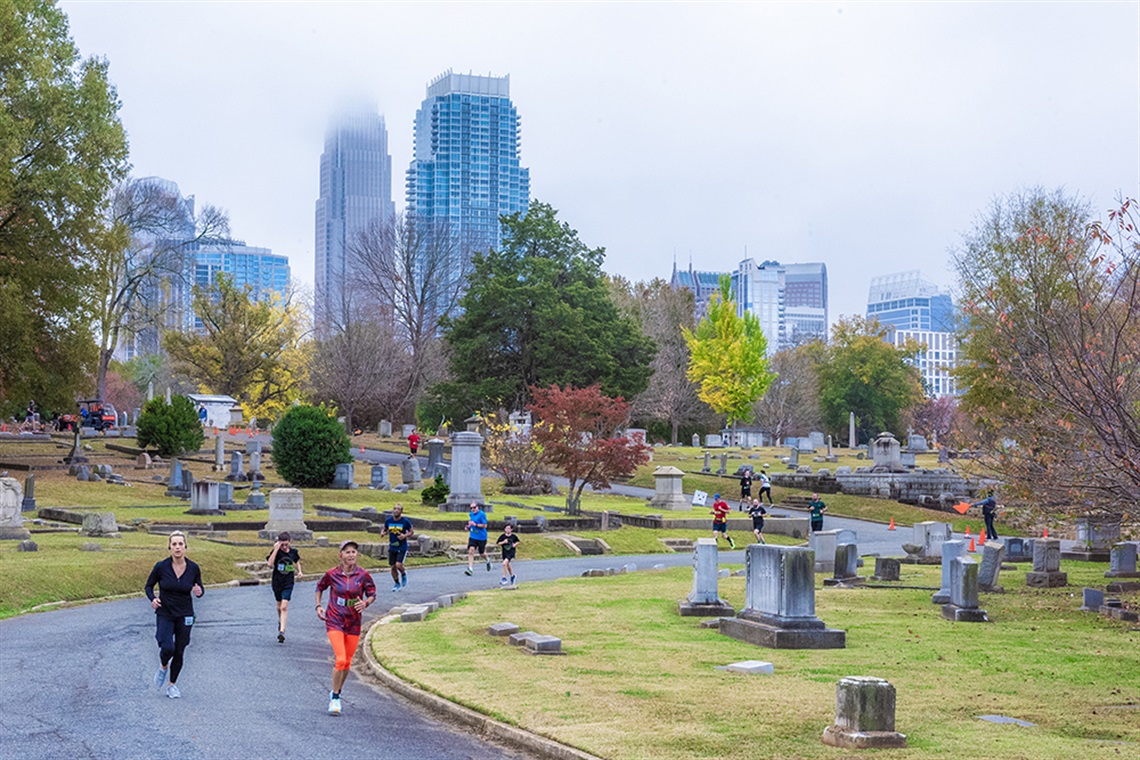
(101,373)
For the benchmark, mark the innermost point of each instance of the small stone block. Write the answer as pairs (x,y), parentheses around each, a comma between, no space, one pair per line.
(594,574)
(838,736)
(502,629)
(414,614)
(27,546)
(520,639)
(723,573)
(444,601)
(544,644)
(713,623)
(751,667)
(91,547)
(1093,599)
(1053,579)
(964,614)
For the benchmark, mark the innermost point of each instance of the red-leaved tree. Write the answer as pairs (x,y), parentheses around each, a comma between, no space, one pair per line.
(579,431)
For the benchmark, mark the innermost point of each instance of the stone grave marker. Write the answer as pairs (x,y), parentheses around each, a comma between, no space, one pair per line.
(174,482)
(252,446)
(143,461)
(435,457)
(885,451)
(714,441)
(237,465)
(286,513)
(704,599)
(963,606)
(100,525)
(723,469)
(667,492)
(443,470)
(204,499)
(707,467)
(1046,571)
(696,440)
(886,569)
(379,478)
(385,429)
(951,550)
(27,546)
(1121,562)
(466,472)
(219,454)
(916,444)
(864,715)
(226,497)
(931,536)
(1092,599)
(344,479)
(187,483)
(846,567)
(993,553)
(255,466)
(28,503)
(779,600)
(793,458)
(11,521)
(1017,550)
(256,499)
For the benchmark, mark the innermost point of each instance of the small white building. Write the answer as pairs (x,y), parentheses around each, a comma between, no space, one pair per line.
(221,411)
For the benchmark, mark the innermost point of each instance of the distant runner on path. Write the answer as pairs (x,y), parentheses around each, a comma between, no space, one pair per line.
(399,530)
(351,590)
(757,512)
(179,580)
(414,442)
(817,508)
(508,540)
(286,564)
(720,512)
(477,537)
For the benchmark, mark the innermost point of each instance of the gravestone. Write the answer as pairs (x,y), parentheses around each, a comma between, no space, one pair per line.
(779,602)
(793,458)
(237,462)
(100,525)
(916,444)
(930,536)
(435,457)
(704,599)
(226,497)
(1092,599)
(707,467)
(174,484)
(1046,571)
(187,483)
(143,461)
(385,429)
(379,479)
(252,446)
(408,429)
(667,491)
(255,466)
(723,469)
(27,546)
(943,455)
(886,569)
(11,521)
(256,499)
(219,454)
(951,550)
(696,440)
(993,552)
(963,606)
(466,472)
(76,456)
(885,452)
(846,567)
(815,438)
(1018,550)
(344,479)
(714,441)
(852,441)
(823,543)
(829,454)
(906,459)
(443,470)
(864,715)
(1121,563)
(286,513)
(204,499)
(28,503)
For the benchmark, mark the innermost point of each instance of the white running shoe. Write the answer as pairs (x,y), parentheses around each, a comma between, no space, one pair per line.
(173,692)
(334,705)
(159,678)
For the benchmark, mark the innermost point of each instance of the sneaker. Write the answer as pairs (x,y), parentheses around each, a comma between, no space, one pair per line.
(488,566)
(731,543)
(467,571)
(403,580)
(334,705)
(173,692)
(396,587)
(502,581)
(280,637)
(159,678)
(512,580)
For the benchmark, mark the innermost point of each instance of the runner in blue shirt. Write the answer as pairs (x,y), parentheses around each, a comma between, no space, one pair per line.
(477,537)
(399,530)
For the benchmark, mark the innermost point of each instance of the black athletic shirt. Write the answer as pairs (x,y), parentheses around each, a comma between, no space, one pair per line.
(509,546)
(284,567)
(175,592)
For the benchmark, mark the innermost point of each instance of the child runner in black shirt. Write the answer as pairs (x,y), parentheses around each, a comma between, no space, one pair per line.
(286,564)
(508,540)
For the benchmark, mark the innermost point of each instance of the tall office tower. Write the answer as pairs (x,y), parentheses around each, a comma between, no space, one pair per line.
(790,300)
(911,306)
(465,170)
(356,190)
(702,285)
(266,273)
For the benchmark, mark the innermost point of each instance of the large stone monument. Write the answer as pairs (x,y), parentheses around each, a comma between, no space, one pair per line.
(704,600)
(951,550)
(852,442)
(779,602)
(100,525)
(667,492)
(11,521)
(286,513)
(1046,571)
(886,453)
(864,715)
(963,606)
(1121,562)
(930,536)
(204,499)
(466,472)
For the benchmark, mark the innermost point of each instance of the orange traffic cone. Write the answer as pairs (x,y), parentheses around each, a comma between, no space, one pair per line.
(972,547)
(215,429)
(1046,533)
(3,428)
(892,525)
(232,430)
(362,448)
(968,533)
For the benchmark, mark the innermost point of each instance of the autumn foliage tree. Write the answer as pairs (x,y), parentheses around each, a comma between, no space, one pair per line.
(1052,343)
(579,430)
(514,454)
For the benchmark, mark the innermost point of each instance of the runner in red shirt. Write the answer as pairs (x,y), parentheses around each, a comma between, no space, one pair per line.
(351,590)
(414,442)
(720,512)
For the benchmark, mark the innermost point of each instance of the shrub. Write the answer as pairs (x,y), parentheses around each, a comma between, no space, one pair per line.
(308,444)
(171,428)
(436,493)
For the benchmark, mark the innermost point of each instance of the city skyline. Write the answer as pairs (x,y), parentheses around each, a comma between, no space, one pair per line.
(864,136)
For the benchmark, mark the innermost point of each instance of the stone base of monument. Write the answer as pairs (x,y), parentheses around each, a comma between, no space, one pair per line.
(767,631)
(855,580)
(9,533)
(964,614)
(1092,555)
(991,589)
(455,507)
(1054,579)
(294,534)
(207,512)
(941,597)
(1120,574)
(720,608)
(840,736)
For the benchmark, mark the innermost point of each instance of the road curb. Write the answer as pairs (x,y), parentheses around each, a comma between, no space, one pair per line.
(465,716)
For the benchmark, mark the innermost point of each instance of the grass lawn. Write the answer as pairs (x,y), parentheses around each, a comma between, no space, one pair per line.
(639,680)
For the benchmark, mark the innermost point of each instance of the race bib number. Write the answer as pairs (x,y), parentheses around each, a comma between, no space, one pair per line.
(284,567)
(189,620)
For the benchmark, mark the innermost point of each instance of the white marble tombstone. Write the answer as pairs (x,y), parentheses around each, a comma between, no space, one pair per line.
(667,492)
(466,469)
(286,513)
(11,521)
(951,550)
(704,599)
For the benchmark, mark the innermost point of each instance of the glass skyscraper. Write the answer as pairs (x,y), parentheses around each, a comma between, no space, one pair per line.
(356,189)
(790,300)
(911,306)
(465,168)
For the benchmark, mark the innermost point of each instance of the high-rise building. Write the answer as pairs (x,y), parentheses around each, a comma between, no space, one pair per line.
(790,300)
(914,308)
(465,170)
(355,191)
(702,285)
(265,272)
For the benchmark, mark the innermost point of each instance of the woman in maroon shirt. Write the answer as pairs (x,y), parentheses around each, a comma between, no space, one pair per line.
(351,590)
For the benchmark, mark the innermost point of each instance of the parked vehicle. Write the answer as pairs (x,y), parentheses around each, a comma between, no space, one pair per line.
(96,414)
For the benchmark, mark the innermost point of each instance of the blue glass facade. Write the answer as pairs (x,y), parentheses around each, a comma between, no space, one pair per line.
(466,170)
(266,273)
(913,307)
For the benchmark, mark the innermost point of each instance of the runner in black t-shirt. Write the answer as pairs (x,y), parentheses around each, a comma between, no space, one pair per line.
(179,580)
(286,564)
(508,540)
(757,512)
(399,530)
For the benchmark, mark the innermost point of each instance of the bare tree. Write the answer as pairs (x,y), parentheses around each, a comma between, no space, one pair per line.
(414,271)
(791,405)
(149,238)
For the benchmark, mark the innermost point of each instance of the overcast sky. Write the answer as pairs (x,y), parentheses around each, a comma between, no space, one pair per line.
(867,136)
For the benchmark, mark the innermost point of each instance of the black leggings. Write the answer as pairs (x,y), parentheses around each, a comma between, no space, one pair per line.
(173,635)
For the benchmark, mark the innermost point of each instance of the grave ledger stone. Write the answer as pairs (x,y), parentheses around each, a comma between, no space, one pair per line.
(704,600)
(779,599)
